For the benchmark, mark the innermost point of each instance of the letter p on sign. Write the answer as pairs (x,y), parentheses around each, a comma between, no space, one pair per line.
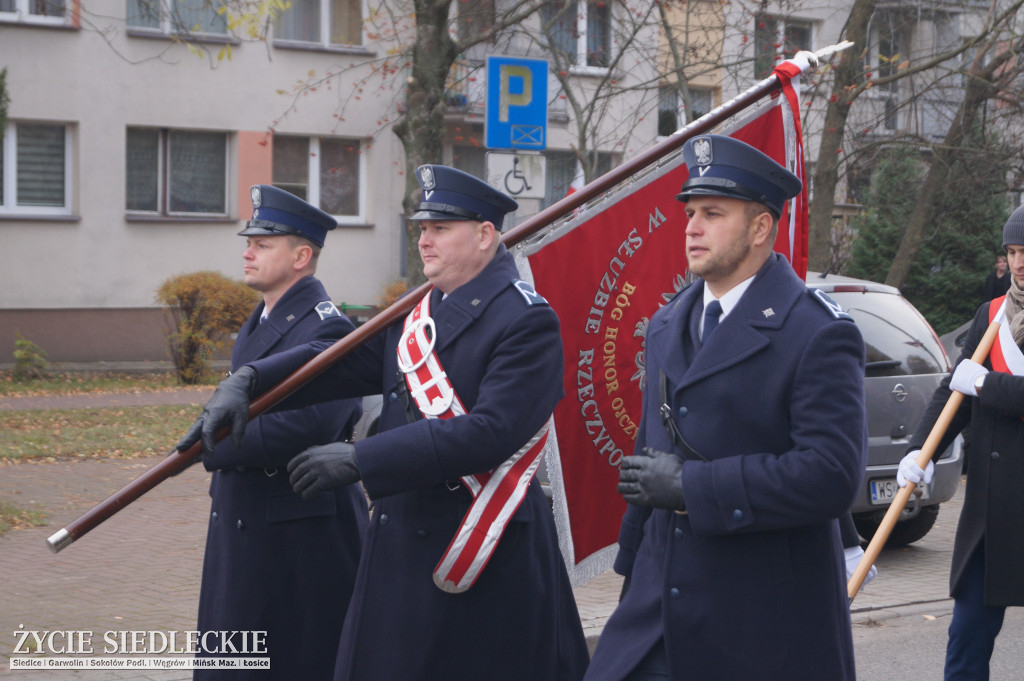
(517,103)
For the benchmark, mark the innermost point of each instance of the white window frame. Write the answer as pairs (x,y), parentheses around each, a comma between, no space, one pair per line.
(168,28)
(22,15)
(780,36)
(313,176)
(325,30)
(10,173)
(164,181)
(580,66)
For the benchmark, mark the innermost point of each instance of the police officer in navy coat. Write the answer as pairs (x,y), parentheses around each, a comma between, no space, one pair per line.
(752,444)
(275,562)
(498,343)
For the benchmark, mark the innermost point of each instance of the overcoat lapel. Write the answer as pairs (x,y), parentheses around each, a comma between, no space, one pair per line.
(256,340)
(762,308)
(467,303)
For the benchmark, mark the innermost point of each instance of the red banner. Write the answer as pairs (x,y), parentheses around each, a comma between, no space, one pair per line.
(605,272)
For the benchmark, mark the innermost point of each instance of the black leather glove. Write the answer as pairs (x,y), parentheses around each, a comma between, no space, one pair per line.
(323,467)
(654,480)
(229,405)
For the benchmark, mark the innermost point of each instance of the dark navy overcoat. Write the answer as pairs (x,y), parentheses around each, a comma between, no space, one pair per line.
(502,351)
(750,582)
(993,509)
(275,562)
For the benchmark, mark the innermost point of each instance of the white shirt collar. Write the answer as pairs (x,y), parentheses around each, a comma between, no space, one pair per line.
(729,300)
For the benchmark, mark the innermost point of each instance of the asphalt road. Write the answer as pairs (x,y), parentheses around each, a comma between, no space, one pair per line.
(911,644)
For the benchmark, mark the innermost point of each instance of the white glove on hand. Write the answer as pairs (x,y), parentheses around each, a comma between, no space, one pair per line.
(964,376)
(909,471)
(853,556)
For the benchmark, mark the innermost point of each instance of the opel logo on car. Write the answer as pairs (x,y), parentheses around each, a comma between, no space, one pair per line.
(899,392)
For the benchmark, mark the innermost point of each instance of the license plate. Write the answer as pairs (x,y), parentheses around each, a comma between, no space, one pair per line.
(884,491)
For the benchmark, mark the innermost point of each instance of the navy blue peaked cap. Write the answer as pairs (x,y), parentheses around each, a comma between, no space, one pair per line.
(276,212)
(450,194)
(723,166)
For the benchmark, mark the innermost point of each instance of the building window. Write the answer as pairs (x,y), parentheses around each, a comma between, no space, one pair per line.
(564,170)
(35,169)
(668,110)
(672,115)
(176,172)
(325,171)
(581,32)
(178,16)
(778,38)
(325,22)
(34,11)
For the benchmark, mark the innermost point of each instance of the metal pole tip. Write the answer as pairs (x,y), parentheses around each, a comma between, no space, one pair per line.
(59,540)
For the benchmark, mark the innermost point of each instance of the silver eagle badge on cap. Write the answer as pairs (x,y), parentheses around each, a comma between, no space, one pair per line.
(702,150)
(427,177)
(256,197)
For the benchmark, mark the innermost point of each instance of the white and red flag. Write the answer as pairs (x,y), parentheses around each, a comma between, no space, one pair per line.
(605,269)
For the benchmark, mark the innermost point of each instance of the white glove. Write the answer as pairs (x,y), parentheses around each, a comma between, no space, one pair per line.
(909,471)
(853,556)
(963,378)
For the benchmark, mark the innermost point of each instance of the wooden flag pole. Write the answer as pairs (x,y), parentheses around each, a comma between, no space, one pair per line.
(927,452)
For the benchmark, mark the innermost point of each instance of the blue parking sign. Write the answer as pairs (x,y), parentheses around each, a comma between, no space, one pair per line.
(517,103)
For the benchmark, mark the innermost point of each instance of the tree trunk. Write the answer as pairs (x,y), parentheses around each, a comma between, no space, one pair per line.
(826,171)
(979,89)
(421,129)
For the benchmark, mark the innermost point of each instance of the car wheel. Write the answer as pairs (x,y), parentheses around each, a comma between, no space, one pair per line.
(905,532)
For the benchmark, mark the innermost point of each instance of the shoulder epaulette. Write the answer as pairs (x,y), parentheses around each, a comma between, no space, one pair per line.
(531,296)
(834,308)
(326,309)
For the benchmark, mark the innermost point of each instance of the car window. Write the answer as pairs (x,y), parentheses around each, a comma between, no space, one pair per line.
(899,342)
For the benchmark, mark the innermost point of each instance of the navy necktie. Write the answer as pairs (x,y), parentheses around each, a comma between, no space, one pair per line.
(711,314)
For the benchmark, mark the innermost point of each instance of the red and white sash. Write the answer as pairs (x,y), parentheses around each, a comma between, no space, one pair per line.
(1006,356)
(497,494)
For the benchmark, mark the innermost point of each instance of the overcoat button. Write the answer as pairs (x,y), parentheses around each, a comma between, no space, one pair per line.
(392,397)
(683,411)
(674,591)
(679,533)
(421,533)
(994,455)
(383,518)
(240,525)
(213,515)
(737,514)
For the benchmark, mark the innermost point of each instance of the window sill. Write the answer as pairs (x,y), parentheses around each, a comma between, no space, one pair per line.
(157,34)
(38,217)
(13,19)
(172,219)
(355,50)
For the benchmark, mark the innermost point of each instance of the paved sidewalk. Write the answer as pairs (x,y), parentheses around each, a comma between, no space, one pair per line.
(140,569)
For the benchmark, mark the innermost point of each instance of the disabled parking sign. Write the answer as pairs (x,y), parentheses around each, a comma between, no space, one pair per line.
(517,103)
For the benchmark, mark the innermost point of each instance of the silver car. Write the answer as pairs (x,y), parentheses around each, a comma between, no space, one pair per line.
(905,363)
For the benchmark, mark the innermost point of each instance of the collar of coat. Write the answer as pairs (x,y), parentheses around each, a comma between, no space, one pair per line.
(467,303)
(764,307)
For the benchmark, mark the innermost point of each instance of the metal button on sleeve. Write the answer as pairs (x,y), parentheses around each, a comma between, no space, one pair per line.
(213,516)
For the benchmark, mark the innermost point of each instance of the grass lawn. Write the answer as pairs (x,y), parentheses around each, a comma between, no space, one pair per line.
(45,435)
